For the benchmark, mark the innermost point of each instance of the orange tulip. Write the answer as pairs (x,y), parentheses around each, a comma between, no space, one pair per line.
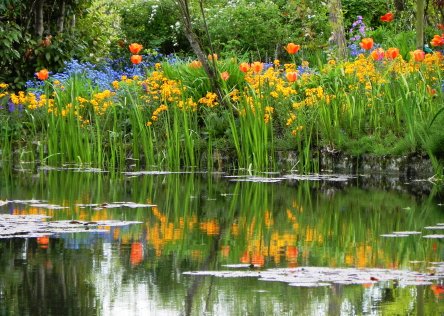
(366,43)
(388,17)
(437,41)
(136,59)
(418,55)
(225,75)
(244,67)
(377,54)
(257,66)
(42,74)
(211,57)
(292,48)
(392,53)
(292,76)
(135,48)
(195,64)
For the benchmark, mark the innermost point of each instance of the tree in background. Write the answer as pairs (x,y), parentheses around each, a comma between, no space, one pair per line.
(36,34)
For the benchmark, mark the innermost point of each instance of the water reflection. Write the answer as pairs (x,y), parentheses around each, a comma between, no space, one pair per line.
(202,222)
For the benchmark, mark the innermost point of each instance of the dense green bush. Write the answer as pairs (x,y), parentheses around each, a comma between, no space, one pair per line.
(155,24)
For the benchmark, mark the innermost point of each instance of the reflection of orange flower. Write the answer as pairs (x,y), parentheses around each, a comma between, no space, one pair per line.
(43,241)
(136,255)
(245,257)
(225,250)
(135,48)
(366,43)
(292,252)
(437,289)
(258,259)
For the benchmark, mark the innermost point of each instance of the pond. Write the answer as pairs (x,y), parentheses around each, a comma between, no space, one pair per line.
(213,244)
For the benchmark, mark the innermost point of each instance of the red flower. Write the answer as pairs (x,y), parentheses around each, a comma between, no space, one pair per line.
(440,26)
(42,74)
(292,76)
(366,43)
(135,48)
(388,17)
(136,59)
(292,48)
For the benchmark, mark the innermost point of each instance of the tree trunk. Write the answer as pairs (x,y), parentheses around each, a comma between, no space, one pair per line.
(419,24)
(337,28)
(196,46)
(399,5)
(38,24)
(61,17)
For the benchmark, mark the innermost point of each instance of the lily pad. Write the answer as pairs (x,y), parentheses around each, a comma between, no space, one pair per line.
(319,177)
(324,276)
(26,226)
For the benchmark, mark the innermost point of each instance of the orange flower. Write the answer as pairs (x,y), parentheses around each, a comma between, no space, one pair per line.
(257,66)
(418,55)
(244,67)
(225,75)
(42,74)
(292,76)
(292,48)
(388,17)
(366,43)
(377,54)
(135,48)
(437,41)
(440,26)
(195,64)
(211,57)
(136,59)
(392,53)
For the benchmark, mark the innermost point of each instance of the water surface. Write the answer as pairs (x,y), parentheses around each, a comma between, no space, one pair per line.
(203,222)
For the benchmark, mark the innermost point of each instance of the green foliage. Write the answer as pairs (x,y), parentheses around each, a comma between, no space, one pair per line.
(370,10)
(154,24)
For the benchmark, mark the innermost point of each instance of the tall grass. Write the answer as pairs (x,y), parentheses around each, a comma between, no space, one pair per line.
(171,119)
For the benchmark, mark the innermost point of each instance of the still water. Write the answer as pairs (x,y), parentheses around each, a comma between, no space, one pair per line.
(203,222)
